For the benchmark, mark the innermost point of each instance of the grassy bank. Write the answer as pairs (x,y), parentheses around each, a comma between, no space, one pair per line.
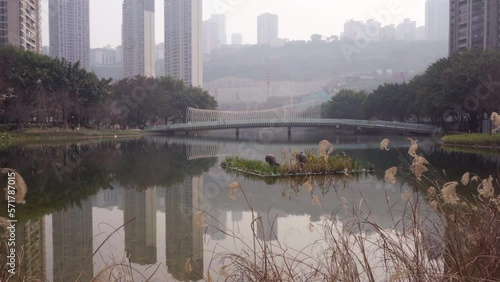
(473,139)
(61,134)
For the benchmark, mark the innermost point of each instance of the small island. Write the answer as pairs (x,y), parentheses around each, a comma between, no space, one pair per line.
(324,161)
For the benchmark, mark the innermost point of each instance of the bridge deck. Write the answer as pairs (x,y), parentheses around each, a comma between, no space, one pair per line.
(295,122)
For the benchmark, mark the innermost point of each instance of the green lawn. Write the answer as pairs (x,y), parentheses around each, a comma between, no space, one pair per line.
(33,135)
(473,139)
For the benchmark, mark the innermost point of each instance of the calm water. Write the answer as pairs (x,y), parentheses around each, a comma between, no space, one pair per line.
(79,194)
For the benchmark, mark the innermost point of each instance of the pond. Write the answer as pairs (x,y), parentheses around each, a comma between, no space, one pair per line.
(163,206)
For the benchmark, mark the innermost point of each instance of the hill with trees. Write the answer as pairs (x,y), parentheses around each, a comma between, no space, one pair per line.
(318,59)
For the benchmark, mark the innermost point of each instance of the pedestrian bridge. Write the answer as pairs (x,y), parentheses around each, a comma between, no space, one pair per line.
(298,115)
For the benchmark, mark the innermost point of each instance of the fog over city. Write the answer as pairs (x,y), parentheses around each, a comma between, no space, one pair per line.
(298,19)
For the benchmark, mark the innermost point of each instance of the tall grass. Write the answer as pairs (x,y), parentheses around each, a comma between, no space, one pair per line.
(447,238)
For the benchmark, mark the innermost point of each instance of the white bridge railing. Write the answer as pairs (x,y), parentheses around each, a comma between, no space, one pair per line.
(310,109)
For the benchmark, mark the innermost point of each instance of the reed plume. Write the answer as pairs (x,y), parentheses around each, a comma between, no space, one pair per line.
(20,186)
(390,175)
(495,119)
(384,145)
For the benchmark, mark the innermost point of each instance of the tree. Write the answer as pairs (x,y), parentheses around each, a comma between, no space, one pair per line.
(391,101)
(139,101)
(36,87)
(347,104)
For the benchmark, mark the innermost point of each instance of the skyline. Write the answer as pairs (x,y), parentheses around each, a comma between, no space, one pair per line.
(241,17)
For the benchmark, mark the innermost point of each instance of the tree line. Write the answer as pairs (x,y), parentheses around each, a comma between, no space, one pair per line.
(456,92)
(37,89)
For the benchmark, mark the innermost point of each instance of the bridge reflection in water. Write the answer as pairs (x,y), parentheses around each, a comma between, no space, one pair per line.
(200,148)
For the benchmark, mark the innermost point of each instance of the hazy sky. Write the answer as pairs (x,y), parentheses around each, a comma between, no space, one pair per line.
(298,19)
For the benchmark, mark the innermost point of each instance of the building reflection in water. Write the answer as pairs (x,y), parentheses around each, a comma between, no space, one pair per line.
(184,239)
(140,233)
(30,236)
(72,243)
(267,227)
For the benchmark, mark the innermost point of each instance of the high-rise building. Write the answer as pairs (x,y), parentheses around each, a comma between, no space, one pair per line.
(20,24)
(437,18)
(103,56)
(183,46)
(210,36)
(160,51)
(420,33)
(119,54)
(160,59)
(138,38)
(357,30)
(220,21)
(267,28)
(388,32)
(214,33)
(353,29)
(407,30)
(237,39)
(474,24)
(69,30)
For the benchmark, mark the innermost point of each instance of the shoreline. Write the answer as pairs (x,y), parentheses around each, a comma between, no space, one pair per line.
(472,140)
(10,138)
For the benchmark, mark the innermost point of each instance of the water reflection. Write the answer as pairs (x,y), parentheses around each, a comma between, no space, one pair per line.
(72,243)
(140,231)
(184,239)
(31,235)
(161,183)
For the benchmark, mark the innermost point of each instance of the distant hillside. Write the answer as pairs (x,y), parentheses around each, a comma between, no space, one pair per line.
(300,60)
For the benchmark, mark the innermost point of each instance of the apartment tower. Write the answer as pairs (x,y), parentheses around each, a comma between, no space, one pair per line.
(69,30)
(20,24)
(220,20)
(437,18)
(267,28)
(138,38)
(183,46)
(474,24)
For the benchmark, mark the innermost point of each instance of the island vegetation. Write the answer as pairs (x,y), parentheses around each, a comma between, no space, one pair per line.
(324,161)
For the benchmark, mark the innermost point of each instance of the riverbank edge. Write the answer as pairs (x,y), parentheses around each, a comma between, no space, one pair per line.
(61,135)
(472,140)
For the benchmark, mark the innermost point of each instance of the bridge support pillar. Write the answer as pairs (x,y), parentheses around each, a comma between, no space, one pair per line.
(237,133)
(289,133)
